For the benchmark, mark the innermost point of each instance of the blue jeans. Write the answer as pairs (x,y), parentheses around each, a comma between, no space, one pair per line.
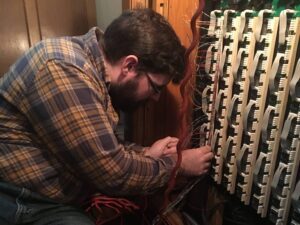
(20,206)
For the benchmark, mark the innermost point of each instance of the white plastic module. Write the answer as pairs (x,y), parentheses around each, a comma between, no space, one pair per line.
(275,126)
(215,32)
(265,31)
(254,108)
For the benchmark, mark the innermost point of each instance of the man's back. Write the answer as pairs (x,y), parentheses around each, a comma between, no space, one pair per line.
(25,156)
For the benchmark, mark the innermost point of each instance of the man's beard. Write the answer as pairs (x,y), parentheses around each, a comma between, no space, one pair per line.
(123,96)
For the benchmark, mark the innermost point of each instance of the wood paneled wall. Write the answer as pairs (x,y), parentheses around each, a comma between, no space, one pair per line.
(25,22)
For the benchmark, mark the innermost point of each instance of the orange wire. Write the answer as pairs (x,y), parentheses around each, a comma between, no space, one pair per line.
(185,93)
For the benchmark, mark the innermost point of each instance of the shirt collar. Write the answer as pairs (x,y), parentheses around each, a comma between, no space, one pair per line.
(92,41)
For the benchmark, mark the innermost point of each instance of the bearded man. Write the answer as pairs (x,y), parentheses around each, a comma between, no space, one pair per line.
(58,116)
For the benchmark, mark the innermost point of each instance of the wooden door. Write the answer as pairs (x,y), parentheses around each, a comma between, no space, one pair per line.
(13,32)
(25,22)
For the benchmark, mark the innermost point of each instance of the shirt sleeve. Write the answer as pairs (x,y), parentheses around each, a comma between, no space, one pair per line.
(130,146)
(67,111)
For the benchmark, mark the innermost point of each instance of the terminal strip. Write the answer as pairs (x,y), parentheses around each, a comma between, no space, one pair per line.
(265,35)
(245,50)
(284,143)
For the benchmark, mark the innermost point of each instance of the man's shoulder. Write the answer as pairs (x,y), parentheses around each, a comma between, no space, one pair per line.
(77,50)
(68,49)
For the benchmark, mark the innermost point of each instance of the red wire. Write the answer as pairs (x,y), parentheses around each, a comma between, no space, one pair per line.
(185,93)
(116,204)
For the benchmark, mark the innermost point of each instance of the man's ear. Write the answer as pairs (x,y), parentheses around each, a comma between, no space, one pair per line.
(128,66)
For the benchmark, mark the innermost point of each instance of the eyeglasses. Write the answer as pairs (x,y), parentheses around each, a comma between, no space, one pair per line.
(156,88)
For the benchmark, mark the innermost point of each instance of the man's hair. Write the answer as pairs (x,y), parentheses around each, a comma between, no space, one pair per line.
(147,35)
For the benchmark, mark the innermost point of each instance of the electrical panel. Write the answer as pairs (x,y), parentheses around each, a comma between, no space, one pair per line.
(252,104)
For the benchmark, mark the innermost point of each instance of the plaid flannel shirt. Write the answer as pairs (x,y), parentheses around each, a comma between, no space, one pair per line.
(57,126)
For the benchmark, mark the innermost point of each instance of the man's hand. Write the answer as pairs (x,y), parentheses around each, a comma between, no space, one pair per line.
(163,147)
(196,161)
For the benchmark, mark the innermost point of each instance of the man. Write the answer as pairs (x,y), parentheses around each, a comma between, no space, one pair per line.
(57,120)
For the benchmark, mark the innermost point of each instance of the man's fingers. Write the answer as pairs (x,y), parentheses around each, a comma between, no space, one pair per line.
(206,165)
(172,144)
(173,141)
(165,141)
(171,150)
(205,148)
(207,156)
(205,171)
(196,161)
